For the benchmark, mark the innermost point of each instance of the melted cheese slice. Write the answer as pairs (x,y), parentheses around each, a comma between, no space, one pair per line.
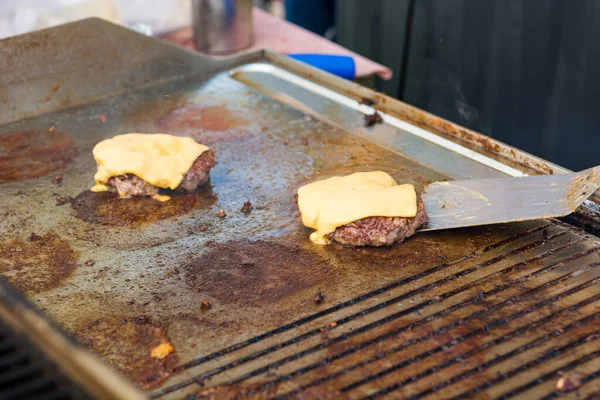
(159,159)
(328,204)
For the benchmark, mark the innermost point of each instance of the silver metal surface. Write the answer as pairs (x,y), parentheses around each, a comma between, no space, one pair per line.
(222,26)
(469,312)
(475,202)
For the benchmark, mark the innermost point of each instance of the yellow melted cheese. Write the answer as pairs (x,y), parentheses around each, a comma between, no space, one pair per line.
(328,204)
(159,159)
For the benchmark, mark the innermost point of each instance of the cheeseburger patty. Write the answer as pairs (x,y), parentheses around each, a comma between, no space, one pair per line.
(197,175)
(380,231)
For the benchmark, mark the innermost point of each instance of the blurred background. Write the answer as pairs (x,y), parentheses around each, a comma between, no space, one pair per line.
(521,71)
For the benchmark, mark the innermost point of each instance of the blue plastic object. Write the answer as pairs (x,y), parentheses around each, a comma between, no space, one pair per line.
(342,66)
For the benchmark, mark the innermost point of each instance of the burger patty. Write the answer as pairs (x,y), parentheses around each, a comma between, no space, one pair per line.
(197,175)
(380,231)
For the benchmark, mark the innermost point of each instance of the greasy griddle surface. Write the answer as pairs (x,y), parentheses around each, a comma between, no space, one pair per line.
(125,276)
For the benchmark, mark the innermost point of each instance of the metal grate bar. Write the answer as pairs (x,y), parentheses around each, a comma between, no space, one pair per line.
(15,374)
(486,329)
(548,356)
(447,327)
(552,374)
(7,345)
(30,388)
(531,364)
(11,359)
(444,329)
(537,342)
(59,394)
(463,356)
(377,307)
(469,301)
(585,384)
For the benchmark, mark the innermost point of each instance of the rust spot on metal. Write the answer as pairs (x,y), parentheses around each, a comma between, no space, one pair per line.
(206,124)
(253,273)
(488,144)
(128,344)
(32,154)
(38,263)
(52,92)
(106,208)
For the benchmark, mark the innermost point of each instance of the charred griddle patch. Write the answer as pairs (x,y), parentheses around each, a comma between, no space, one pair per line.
(38,263)
(261,272)
(106,208)
(127,344)
(32,154)
(202,122)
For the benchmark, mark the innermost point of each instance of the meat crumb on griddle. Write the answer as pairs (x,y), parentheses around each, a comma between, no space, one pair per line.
(205,304)
(57,180)
(90,263)
(247,207)
(33,237)
(62,200)
(319,298)
(221,214)
(371,120)
(567,384)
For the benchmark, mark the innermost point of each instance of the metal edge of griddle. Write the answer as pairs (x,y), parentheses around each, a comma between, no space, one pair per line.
(78,363)
(484,149)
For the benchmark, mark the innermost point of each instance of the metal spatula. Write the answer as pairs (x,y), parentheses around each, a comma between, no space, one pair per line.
(459,204)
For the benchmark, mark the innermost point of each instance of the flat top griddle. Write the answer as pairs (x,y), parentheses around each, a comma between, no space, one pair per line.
(494,312)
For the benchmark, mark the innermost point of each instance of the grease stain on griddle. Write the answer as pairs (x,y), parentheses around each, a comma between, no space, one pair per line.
(255,273)
(207,124)
(106,208)
(127,343)
(36,264)
(32,154)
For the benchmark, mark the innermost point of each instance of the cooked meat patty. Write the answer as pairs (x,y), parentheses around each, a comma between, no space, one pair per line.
(131,185)
(380,231)
(199,172)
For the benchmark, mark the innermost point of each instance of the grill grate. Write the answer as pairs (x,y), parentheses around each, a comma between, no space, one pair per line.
(505,320)
(26,374)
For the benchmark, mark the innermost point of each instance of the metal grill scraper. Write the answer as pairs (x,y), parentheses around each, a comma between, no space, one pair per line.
(474,202)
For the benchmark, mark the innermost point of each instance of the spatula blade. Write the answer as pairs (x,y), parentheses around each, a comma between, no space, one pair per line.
(474,202)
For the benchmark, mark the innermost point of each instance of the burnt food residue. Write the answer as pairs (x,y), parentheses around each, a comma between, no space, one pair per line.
(136,346)
(206,124)
(32,154)
(37,263)
(372,119)
(253,273)
(106,208)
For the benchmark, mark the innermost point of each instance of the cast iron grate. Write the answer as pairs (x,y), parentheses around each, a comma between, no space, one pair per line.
(25,373)
(505,322)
